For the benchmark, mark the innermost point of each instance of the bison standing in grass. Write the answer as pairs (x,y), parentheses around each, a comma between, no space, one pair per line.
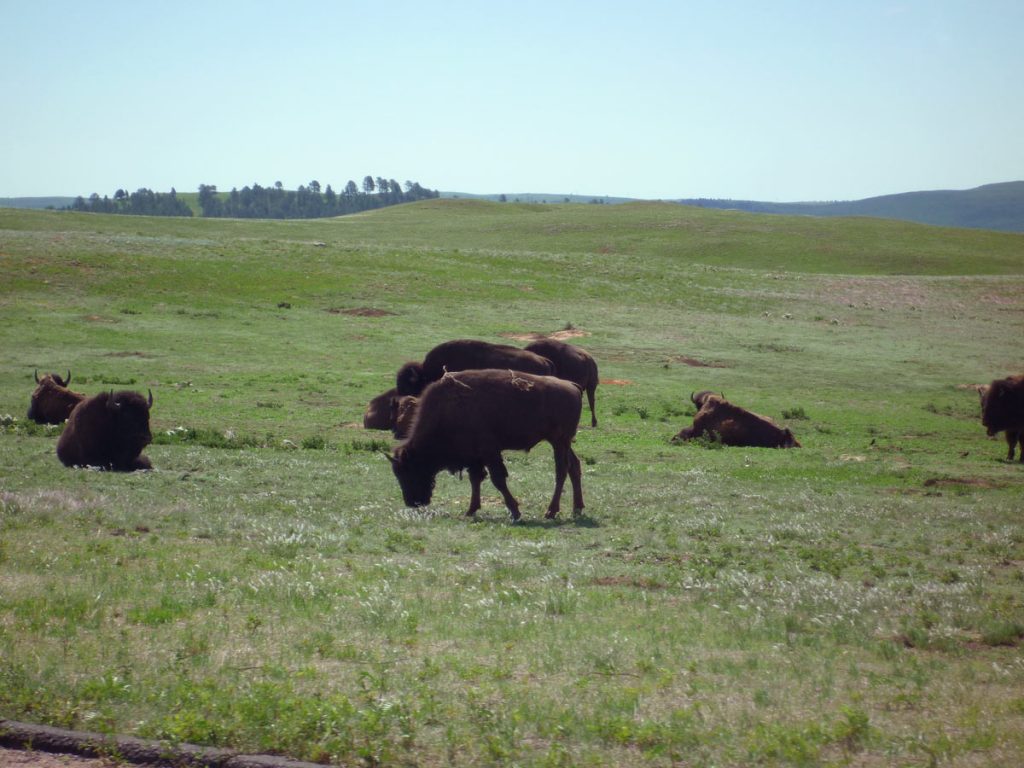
(108,431)
(52,401)
(732,425)
(1002,410)
(465,420)
(465,355)
(571,363)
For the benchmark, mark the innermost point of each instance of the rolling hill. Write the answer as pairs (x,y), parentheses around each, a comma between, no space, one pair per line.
(993,206)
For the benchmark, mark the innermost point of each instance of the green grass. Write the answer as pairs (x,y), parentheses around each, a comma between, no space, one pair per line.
(854,602)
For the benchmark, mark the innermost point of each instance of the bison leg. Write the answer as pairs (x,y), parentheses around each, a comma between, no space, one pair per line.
(562,462)
(590,399)
(498,475)
(476,476)
(1012,438)
(576,476)
(1011,441)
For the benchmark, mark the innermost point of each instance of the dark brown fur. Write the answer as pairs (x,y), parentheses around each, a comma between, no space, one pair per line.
(380,412)
(466,355)
(734,425)
(465,421)
(572,364)
(108,431)
(52,401)
(1002,410)
(403,412)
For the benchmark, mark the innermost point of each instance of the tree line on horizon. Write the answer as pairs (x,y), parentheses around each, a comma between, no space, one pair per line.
(259,202)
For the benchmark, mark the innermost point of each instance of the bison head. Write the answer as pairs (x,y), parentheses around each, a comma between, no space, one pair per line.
(996,406)
(130,412)
(409,380)
(414,478)
(51,401)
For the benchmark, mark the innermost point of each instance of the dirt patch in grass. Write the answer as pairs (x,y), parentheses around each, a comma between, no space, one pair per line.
(617,382)
(627,581)
(360,312)
(974,482)
(126,354)
(566,333)
(695,363)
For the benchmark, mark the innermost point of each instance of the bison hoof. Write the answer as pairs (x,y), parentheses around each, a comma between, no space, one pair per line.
(551,514)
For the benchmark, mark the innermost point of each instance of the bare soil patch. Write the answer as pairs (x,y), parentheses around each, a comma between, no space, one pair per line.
(695,363)
(567,333)
(974,482)
(28,758)
(360,312)
(617,382)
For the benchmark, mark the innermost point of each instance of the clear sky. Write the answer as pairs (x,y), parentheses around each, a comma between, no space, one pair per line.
(766,100)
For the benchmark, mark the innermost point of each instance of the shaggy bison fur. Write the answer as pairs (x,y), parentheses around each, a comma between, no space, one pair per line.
(1002,410)
(380,412)
(465,355)
(571,363)
(720,419)
(108,431)
(465,420)
(52,401)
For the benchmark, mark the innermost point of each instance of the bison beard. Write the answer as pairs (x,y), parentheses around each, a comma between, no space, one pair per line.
(108,431)
(465,421)
(466,355)
(1002,410)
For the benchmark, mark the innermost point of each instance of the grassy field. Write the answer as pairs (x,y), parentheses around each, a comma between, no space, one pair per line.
(858,601)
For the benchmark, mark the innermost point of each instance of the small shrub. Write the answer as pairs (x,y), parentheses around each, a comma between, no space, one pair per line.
(796,414)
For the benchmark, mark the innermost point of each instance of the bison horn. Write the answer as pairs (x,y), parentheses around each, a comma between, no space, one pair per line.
(67,380)
(691,398)
(390,458)
(150,397)
(112,404)
(36,374)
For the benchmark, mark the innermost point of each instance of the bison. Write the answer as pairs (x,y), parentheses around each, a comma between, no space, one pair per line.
(380,412)
(720,419)
(465,420)
(1002,410)
(571,363)
(52,401)
(403,411)
(108,431)
(465,355)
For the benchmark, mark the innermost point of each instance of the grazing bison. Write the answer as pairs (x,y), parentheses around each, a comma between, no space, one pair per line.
(109,431)
(734,425)
(466,355)
(1002,410)
(465,420)
(403,411)
(380,412)
(571,363)
(52,401)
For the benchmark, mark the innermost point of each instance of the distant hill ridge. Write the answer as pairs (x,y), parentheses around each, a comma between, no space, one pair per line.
(992,206)
(997,207)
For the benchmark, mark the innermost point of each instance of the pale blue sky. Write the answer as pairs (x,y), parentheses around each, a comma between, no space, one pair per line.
(758,100)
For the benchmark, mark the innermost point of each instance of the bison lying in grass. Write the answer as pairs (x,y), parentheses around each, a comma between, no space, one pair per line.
(465,355)
(52,401)
(1002,410)
(108,431)
(718,419)
(380,412)
(465,420)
